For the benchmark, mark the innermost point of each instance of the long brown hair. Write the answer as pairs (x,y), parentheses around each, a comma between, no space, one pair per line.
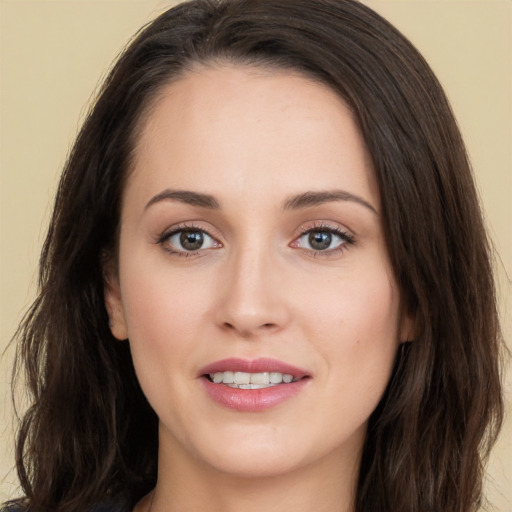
(90,433)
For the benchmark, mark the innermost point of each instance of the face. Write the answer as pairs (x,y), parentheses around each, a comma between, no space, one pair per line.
(252,254)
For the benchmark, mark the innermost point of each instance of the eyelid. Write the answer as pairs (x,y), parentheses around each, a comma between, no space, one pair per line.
(186,226)
(347,237)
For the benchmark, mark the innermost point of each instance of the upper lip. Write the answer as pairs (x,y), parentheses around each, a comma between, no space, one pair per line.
(259,365)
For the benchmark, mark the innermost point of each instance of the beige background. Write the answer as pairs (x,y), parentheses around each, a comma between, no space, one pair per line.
(52,54)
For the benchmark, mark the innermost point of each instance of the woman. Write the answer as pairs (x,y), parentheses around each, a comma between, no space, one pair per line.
(266,282)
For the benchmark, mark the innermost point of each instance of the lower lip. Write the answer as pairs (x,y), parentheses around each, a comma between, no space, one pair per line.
(252,400)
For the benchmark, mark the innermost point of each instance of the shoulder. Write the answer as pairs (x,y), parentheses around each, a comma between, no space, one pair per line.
(13,506)
(107,506)
(111,506)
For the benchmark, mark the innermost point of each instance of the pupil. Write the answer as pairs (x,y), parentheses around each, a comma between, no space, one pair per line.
(320,240)
(191,240)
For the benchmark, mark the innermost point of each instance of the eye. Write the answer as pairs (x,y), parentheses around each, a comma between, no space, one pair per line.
(188,240)
(323,239)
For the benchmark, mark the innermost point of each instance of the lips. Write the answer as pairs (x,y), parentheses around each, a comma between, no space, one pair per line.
(252,385)
(253,366)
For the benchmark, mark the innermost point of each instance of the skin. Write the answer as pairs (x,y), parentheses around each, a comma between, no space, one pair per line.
(252,139)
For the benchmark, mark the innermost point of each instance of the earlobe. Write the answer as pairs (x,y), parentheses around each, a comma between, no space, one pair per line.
(114,305)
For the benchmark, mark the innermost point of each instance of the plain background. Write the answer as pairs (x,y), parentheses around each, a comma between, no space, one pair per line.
(53,54)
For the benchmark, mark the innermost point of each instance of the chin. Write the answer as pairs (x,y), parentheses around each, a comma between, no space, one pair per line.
(244,451)
(271,453)
(264,466)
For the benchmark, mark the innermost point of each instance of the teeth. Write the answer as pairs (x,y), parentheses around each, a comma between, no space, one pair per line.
(241,378)
(217,378)
(276,378)
(260,378)
(244,380)
(228,378)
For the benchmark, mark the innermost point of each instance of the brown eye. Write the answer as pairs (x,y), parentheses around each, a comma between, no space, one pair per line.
(188,240)
(320,240)
(191,240)
(323,239)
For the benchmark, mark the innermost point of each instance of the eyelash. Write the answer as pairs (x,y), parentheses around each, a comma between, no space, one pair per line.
(192,228)
(347,240)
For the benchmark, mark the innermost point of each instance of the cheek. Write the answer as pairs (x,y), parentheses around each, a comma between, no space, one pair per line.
(358,347)
(163,325)
(359,309)
(163,313)
(357,335)
(160,302)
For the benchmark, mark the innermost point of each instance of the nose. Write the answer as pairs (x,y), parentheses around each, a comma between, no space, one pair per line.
(252,299)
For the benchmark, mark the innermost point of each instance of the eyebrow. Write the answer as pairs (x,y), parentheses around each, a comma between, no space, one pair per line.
(304,200)
(309,199)
(187,197)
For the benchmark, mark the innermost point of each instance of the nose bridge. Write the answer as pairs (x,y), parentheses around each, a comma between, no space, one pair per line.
(251,300)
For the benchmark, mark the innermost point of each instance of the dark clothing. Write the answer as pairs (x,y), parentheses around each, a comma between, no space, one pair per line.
(107,506)
(111,506)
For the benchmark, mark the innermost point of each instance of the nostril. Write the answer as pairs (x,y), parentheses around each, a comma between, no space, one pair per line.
(246,330)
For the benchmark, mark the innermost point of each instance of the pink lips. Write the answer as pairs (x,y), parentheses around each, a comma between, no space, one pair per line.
(252,400)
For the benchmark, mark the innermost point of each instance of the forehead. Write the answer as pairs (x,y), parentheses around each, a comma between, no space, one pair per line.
(244,125)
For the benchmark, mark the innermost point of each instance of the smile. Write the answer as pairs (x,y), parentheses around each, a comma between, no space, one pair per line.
(252,385)
(245,380)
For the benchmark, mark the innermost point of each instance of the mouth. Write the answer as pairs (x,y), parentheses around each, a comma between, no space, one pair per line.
(246,380)
(252,385)
(262,372)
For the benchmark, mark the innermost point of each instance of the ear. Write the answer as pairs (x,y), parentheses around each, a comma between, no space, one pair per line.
(113,302)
